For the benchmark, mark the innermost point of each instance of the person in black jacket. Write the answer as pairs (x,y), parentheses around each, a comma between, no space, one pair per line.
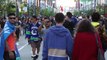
(69,23)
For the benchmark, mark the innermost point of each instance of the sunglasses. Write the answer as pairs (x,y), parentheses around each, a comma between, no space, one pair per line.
(47,21)
(12,18)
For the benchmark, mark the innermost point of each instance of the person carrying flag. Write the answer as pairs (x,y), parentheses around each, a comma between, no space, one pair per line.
(8,39)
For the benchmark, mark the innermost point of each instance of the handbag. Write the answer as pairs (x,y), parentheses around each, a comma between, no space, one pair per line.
(100,55)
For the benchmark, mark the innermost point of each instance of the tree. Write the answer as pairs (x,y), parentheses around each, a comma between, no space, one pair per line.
(10,7)
(77,13)
(47,12)
(6,6)
(2,7)
(86,0)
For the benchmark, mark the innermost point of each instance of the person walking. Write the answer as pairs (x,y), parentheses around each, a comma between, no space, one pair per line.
(46,25)
(58,43)
(70,22)
(98,23)
(18,31)
(85,44)
(8,39)
(34,37)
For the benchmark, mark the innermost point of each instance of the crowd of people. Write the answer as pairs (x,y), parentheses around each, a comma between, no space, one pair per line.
(64,37)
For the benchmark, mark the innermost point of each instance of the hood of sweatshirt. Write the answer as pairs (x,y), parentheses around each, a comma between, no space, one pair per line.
(59,30)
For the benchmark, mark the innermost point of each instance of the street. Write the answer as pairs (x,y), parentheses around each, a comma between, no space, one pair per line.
(25,50)
(106,55)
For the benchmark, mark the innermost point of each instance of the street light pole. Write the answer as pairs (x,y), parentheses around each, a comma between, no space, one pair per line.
(104,9)
(28,9)
(34,7)
(53,5)
(17,10)
(95,5)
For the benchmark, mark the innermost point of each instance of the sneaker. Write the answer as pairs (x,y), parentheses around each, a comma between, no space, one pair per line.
(17,43)
(33,56)
(36,56)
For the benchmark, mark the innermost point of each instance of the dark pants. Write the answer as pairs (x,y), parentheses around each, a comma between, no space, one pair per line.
(36,44)
(6,56)
(17,33)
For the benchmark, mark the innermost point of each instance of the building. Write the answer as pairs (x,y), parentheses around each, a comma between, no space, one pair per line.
(24,1)
(78,5)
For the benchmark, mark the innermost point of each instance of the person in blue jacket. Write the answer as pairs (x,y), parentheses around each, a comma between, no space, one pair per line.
(58,42)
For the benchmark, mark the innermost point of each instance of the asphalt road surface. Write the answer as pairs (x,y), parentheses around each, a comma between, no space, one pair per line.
(25,50)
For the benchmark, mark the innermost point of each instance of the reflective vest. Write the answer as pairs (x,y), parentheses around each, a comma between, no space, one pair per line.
(95,24)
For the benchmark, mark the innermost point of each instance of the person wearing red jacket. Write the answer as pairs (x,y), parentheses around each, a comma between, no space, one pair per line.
(85,45)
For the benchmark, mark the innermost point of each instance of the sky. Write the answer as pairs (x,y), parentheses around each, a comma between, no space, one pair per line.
(67,3)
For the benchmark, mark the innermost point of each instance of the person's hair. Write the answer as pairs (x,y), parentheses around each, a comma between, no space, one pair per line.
(85,26)
(69,14)
(11,14)
(95,17)
(88,16)
(34,16)
(46,17)
(59,17)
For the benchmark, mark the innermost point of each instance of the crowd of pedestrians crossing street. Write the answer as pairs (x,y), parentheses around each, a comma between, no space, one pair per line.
(64,37)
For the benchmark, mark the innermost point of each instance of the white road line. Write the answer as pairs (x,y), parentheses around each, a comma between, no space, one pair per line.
(23,47)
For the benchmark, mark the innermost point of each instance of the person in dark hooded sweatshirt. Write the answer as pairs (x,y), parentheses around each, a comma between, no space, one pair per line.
(58,42)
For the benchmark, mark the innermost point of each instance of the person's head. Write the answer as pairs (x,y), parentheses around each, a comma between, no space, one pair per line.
(88,17)
(59,18)
(85,26)
(84,16)
(48,23)
(17,18)
(34,18)
(95,17)
(69,14)
(12,18)
(46,18)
